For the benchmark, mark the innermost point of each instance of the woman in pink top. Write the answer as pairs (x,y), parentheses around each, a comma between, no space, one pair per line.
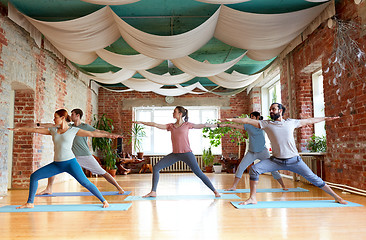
(181,148)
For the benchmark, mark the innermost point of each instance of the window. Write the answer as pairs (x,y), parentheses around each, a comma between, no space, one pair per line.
(271,93)
(157,141)
(318,103)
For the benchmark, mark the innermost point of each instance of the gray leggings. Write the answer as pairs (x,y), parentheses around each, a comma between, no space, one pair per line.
(294,164)
(172,158)
(249,159)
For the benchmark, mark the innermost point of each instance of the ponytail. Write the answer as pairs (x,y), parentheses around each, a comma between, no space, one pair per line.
(184,112)
(63,113)
(256,115)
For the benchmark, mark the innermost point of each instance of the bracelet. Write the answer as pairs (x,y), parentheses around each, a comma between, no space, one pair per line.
(218,125)
(38,124)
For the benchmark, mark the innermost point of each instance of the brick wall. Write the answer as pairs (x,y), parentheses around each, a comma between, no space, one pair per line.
(255,100)
(115,107)
(23,142)
(49,85)
(345,162)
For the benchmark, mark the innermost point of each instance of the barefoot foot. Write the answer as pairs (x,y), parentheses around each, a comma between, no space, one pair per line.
(151,194)
(249,201)
(121,191)
(217,194)
(285,189)
(27,205)
(105,204)
(45,192)
(341,201)
(231,189)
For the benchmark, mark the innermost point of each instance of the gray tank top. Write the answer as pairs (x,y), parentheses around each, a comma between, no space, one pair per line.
(63,143)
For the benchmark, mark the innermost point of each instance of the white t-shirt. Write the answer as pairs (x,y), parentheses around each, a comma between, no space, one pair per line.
(281,135)
(63,143)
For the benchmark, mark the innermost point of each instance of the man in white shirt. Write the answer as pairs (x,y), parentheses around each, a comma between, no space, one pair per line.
(284,152)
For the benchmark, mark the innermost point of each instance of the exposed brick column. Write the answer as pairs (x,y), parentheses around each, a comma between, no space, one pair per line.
(23,142)
(304,106)
(60,86)
(89,107)
(255,100)
(39,107)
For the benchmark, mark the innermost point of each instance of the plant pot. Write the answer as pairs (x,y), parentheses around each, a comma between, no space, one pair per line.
(112,172)
(140,155)
(208,169)
(217,168)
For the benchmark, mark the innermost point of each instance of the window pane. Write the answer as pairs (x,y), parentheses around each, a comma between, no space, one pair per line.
(158,141)
(318,103)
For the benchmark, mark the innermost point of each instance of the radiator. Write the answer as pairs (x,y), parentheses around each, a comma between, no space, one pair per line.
(315,163)
(178,166)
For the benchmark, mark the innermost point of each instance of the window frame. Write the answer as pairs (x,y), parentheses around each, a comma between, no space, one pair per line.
(152,151)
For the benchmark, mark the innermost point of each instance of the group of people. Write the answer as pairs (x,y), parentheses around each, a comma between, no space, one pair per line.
(71,151)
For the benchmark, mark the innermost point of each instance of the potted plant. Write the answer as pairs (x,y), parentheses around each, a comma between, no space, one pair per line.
(208,159)
(105,145)
(236,135)
(217,167)
(317,144)
(137,133)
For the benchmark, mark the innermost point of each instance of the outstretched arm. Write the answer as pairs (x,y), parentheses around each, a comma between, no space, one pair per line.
(304,122)
(152,124)
(84,133)
(250,121)
(203,125)
(238,126)
(43,131)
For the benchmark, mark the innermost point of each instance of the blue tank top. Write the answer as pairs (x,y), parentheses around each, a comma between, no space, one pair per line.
(257,141)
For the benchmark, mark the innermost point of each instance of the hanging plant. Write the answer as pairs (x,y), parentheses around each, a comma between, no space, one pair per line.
(347,50)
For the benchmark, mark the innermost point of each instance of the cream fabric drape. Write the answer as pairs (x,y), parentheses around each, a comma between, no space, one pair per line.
(111,77)
(173,92)
(168,47)
(19,19)
(86,34)
(83,39)
(268,32)
(142,85)
(133,62)
(234,84)
(166,79)
(203,69)
(110,2)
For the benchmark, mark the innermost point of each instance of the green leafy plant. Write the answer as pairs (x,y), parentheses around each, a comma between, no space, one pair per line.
(104,145)
(317,144)
(215,135)
(208,157)
(137,133)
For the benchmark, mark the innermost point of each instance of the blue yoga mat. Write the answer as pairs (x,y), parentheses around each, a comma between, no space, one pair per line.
(269,190)
(296,204)
(182,197)
(68,208)
(74,194)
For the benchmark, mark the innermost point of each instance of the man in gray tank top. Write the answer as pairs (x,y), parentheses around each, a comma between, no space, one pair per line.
(284,152)
(83,155)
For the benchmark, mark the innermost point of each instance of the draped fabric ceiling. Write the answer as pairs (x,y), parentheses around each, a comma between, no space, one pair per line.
(83,40)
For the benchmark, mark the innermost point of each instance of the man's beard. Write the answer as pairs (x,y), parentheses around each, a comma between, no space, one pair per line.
(275,116)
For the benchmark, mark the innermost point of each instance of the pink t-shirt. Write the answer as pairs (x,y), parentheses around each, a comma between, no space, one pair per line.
(179,136)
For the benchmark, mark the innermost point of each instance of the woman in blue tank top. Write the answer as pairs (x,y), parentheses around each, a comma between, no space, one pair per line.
(64,159)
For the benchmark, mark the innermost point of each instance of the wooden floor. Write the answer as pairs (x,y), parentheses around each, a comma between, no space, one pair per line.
(193,219)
